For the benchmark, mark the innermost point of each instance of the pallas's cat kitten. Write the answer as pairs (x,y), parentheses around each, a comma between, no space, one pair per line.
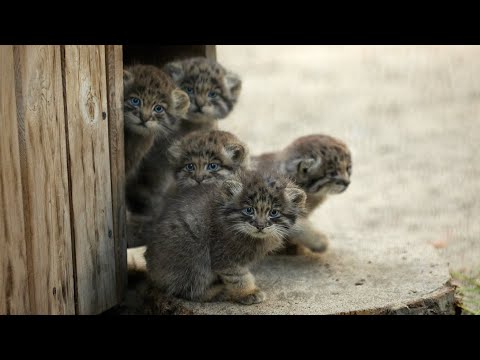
(213,90)
(322,166)
(206,157)
(203,245)
(201,157)
(152,108)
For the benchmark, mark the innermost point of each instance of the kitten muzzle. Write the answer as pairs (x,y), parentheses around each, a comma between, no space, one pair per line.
(199,179)
(343,182)
(340,185)
(260,227)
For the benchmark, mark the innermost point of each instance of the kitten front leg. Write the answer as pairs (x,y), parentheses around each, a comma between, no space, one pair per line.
(305,234)
(240,286)
(214,293)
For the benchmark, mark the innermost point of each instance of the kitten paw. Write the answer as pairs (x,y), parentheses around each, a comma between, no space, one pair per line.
(255,298)
(321,245)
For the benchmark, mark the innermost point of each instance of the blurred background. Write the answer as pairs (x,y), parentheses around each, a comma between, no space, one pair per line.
(410,115)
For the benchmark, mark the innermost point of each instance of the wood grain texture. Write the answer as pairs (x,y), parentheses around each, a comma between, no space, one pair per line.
(89,159)
(40,111)
(14,295)
(211,51)
(114,68)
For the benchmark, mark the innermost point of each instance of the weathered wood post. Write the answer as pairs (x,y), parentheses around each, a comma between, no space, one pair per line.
(62,182)
(62,237)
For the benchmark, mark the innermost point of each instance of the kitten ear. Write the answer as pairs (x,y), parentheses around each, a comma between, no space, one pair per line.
(181,102)
(233,84)
(232,187)
(299,165)
(175,70)
(174,152)
(296,196)
(306,164)
(128,78)
(237,152)
(302,166)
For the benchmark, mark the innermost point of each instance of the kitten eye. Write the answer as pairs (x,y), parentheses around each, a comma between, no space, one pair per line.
(274,213)
(190,167)
(188,89)
(135,101)
(212,94)
(213,167)
(248,211)
(158,109)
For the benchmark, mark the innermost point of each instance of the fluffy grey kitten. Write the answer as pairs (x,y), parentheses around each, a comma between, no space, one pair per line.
(204,243)
(152,110)
(213,90)
(322,166)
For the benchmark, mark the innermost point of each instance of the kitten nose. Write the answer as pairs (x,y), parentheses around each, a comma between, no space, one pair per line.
(260,226)
(200,103)
(199,179)
(144,117)
(342,181)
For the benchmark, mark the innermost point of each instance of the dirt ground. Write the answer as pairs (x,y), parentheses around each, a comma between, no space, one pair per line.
(411,116)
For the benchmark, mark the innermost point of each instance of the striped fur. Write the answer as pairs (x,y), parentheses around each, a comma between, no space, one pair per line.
(322,166)
(142,124)
(202,246)
(201,148)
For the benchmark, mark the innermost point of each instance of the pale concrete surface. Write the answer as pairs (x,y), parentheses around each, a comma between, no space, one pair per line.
(359,274)
(411,115)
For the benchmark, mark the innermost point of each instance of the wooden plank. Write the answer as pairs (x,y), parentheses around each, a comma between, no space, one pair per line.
(211,51)
(44,173)
(161,54)
(14,296)
(86,109)
(114,68)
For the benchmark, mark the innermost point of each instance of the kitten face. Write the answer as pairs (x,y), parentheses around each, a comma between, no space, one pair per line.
(213,90)
(152,102)
(261,206)
(320,164)
(205,157)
